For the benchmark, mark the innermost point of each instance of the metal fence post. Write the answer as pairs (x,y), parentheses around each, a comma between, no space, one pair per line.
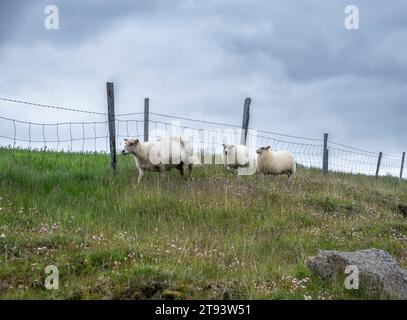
(111,121)
(246,118)
(379,160)
(402,165)
(146,117)
(325,154)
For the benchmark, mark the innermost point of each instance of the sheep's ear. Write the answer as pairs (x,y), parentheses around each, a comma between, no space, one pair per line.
(125,140)
(137,141)
(268,148)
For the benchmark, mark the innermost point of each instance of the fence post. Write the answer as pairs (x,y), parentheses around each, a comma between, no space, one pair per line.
(202,156)
(246,118)
(325,154)
(402,165)
(146,117)
(379,160)
(111,121)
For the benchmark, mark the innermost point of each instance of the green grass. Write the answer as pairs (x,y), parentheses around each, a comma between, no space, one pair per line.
(217,237)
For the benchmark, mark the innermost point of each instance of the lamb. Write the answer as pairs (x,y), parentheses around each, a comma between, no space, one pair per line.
(235,156)
(276,162)
(161,156)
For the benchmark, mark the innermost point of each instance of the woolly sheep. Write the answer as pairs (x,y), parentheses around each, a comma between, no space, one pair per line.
(162,155)
(235,156)
(275,162)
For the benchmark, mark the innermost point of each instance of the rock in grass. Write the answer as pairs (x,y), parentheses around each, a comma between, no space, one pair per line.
(379,273)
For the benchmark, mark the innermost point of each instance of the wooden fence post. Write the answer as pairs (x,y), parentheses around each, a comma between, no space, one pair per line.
(112,124)
(325,154)
(402,165)
(146,117)
(246,118)
(379,160)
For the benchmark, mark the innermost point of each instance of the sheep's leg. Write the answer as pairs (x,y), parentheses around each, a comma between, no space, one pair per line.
(290,177)
(181,170)
(140,175)
(190,171)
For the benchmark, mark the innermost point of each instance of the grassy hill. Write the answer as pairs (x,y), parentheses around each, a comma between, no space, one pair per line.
(218,236)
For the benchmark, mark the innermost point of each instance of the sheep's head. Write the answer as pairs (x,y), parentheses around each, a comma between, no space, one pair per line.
(130,146)
(263,149)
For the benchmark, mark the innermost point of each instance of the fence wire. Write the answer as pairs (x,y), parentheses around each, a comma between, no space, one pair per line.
(62,136)
(207,138)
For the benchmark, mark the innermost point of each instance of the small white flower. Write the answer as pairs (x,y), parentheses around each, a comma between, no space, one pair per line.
(2,235)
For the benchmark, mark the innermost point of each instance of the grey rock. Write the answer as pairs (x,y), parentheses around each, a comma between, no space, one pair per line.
(379,273)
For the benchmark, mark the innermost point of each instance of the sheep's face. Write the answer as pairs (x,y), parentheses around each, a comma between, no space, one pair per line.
(263,149)
(130,146)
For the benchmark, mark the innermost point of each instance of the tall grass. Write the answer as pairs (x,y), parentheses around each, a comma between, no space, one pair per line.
(217,236)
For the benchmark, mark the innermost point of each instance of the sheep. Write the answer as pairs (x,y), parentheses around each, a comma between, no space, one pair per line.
(276,162)
(161,156)
(235,156)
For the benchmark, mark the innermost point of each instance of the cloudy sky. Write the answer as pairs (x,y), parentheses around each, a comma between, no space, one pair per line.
(305,72)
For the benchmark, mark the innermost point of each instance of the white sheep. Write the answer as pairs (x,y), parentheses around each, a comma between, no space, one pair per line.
(235,156)
(162,155)
(275,162)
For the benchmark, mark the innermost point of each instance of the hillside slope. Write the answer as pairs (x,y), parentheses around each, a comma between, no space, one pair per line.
(218,236)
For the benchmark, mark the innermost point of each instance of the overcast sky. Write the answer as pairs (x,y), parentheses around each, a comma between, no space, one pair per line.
(305,72)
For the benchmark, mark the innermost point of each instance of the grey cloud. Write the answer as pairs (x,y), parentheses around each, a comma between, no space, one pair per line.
(305,72)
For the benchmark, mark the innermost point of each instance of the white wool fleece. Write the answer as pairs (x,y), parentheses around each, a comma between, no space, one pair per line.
(276,162)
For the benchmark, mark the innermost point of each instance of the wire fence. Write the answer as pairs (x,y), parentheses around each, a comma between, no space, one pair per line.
(207,138)
(67,136)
